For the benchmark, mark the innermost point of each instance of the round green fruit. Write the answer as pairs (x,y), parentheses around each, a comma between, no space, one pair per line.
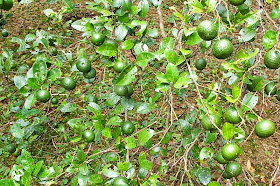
(43,96)
(230,151)
(220,159)
(232,115)
(128,128)
(83,65)
(270,89)
(91,98)
(54,101)
(7,5)
(121,90)
(88,136)
(200,64)
(207,121)
(236,2)
(5,33)
(10,148)
(129,90)
(119,66)
(97,39)
(233,169)
(265,128)
(272,59)
(91,74)
(207,30)
(68,83)
(120,181)
(222,49)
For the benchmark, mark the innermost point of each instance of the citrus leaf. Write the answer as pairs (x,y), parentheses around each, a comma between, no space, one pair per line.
(144,58)
(144,136)
(19,81)
(130,143)
(228,131)
(249,102)
(172,73)
(269,39)
(107,49)
(206,152)
(204,175)
(143,162)
(127,76)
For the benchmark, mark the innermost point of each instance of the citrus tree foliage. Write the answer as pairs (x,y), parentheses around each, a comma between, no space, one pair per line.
(118,97)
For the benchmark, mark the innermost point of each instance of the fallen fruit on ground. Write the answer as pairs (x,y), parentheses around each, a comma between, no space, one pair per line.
(209,121)
(43,96)
(272,59)
(265,128)
(233,115)
(200,64)
(207,30)
(88,136)
(68,83)
(230,151)
(222,49)
(233,169)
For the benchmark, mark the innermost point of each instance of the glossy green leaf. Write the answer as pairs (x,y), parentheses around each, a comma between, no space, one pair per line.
(228,131)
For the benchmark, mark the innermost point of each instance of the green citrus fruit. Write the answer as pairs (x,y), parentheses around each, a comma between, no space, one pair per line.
(222,49)
(91,98)
(83,65)
(220,159)
(54,101)
(233,169)
(225,18)
(5,33)
(232,115)
(270,89)
(226,175)
(10,148)
(119,66)
(278,95)
(236,2)
(91,74)
(120,181)
(97,39)
(88,136)
(128,128)
(121,90)
(207,30)
(7,5)
(200,64)
(129,90)
(265,128)
(230,151)
(207,121)
(43,96)
(68,83)
(272,59)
